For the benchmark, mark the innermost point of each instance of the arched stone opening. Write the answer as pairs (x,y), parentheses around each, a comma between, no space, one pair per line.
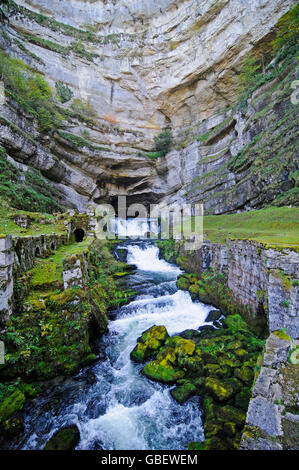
(79,235)
(37,252)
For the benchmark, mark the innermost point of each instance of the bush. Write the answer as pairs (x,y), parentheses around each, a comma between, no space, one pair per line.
(64,93)
(163,142)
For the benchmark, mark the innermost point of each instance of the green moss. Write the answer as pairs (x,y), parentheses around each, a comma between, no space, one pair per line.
(183,283)
(282,335)
(11,404)
(64,439)
(149,343)
(183,392)
(162,371)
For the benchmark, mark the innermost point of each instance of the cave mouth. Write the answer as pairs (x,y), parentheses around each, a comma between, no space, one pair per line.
(79,235)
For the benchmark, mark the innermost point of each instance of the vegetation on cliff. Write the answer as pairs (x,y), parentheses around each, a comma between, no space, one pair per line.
(28,190)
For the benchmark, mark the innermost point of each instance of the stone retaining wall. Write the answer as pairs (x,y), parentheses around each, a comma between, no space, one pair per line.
(263,278)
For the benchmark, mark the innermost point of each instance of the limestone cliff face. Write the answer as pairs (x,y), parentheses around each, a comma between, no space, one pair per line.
(138,67)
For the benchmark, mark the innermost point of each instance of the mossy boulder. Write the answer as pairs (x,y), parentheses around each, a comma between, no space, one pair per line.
(183,392)
(245,374)
(163,371)
(214,370)
(206,331)
(149,343)
(11,404)
(227,414)
(221,390)
(213,316)
(182,347)
(12,427)
(183,283)
(242,398)
(66,438)
(190,334)
(194,290)
(193,364)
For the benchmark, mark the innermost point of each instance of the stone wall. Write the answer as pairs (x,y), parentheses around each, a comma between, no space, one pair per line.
(272,417)
(263,278)
(17,255)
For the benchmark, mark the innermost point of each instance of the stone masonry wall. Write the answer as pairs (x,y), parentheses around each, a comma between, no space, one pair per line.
(263,278)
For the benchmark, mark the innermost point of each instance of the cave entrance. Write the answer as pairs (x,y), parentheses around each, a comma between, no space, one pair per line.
(79,235)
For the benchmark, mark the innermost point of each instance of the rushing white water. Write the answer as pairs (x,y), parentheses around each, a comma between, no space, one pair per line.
(122,409)
(132,228)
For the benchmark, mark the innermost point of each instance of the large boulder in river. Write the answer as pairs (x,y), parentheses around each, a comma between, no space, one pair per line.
(66,438)
(149,343)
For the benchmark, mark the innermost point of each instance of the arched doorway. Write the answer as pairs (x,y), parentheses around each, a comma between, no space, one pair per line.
(79,234)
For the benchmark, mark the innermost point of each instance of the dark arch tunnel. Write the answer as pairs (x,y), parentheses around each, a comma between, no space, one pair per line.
(79,235)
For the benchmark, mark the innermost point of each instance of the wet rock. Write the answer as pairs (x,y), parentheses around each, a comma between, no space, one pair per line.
(183,392)
(66,438)
(149,343)
(213,316)
(190,334)
(162,371)
(206,330)
(12,427)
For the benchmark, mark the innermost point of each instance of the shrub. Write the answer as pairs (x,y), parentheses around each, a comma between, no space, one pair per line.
(63,91)
(163,142)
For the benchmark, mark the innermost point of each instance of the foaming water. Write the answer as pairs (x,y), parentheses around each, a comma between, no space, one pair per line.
(121,409)
(147,259)
(133,228)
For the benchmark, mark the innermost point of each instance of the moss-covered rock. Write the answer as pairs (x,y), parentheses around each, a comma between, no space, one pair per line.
(183,283)
(213,316)
(190,334)
(220,390)
(194,290)
(12,427)
(245,374)
(11,404)
(149,343)
(182,347)
(65,439)
(183,392)
(163,371)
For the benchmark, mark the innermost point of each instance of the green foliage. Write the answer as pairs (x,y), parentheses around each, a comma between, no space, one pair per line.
(63,91)
(80,142)
(163,142)
(30,90)
(288,30)
(32,194)
(250,73)
(285,48)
